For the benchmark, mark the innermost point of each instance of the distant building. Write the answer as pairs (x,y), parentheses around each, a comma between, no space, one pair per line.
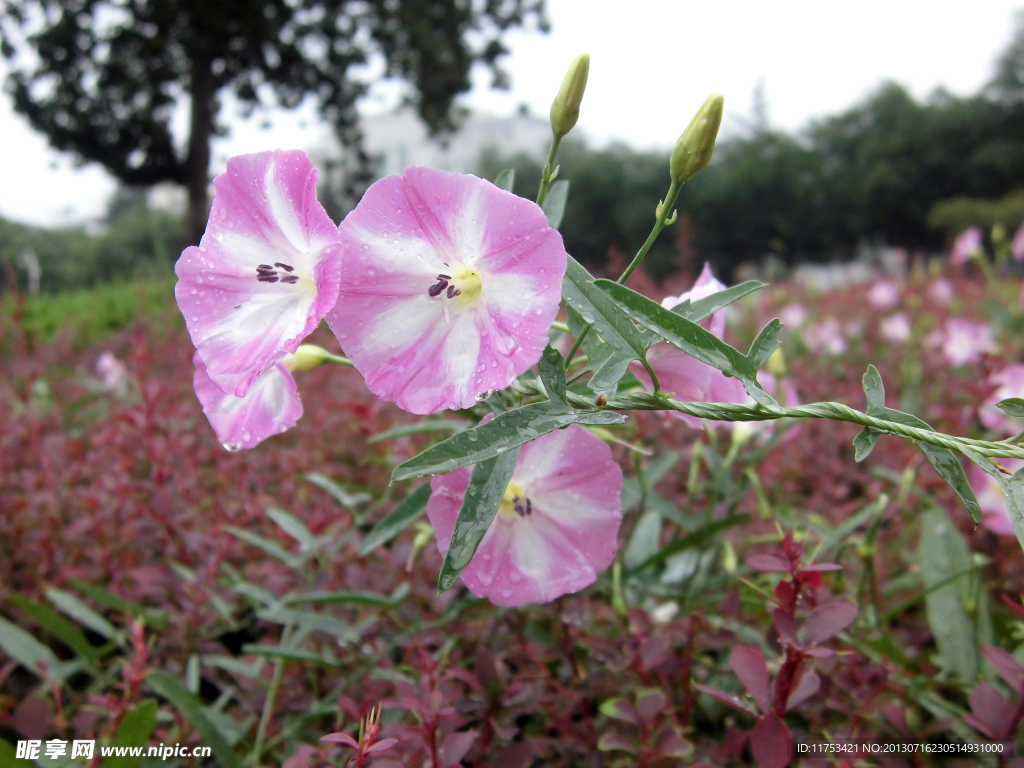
(400,139)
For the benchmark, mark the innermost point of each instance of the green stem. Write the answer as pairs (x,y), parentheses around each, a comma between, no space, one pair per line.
(268,705)
(660,222)
(560,327)
(547,177)
(337,359)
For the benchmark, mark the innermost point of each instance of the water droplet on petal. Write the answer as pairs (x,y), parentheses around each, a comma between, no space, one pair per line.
(481,397)
(231,448)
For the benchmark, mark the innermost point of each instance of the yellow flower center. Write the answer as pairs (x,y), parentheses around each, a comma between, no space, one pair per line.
(515,503)
(468,282)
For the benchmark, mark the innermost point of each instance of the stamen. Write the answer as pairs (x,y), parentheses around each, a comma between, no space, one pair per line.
(265,267)
(435,290)
(285,267)
(519,510)
(451,291)
(444,277)
(267,278)
(529,507)
(290,279)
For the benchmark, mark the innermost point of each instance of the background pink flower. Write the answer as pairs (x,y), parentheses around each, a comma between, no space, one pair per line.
(966,342)
(1010,381)
(996,517)
(556,528)
(895,327)
(270,406)
(689,379)
(265,272)
(940,291)
(449,286)
(883,295)
(827,336)
(967,244)
(1017,246)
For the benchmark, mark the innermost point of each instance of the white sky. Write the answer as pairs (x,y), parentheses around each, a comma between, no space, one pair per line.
(652,64)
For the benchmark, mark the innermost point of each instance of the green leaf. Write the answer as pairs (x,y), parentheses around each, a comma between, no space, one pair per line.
(594,308)
(874,390)
(341,598)
(236,666)
(942,553)
(552,374)
(290,654)
(688,336)
(8,755)
(271,548)
(506,179)
(944,461)
(480,504)
(293,527)
(607,365)
(135,730)
(644,541)
(191,708)
(864,443)
(432,425)
(702,308)
(407,512)
(703,535)
(155,618)
(1012,406)
(27,651)
(765,344)
(507,431)
(71,606)
(554,203)
(338,491)
(58,627)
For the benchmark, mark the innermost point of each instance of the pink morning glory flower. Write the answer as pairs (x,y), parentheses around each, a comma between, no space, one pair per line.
(966,245)
(995,516)
(265,272)
(940,291)
(1017,247)
(113,371)
(827,336)
(883,295)
(1011,384)
(965,342)
(270,406)
(689,379)
(448,288)
(556,528)
(793,315)
(895,327)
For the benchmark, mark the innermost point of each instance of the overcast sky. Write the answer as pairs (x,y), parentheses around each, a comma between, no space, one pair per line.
(652,64)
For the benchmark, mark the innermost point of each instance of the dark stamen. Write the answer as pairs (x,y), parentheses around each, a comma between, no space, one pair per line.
(435,290)
(519,510)
(458,292)
(285,267)
(267,278)
(451,291)
(444,277)
(529,507)
(264,267)
(290,279)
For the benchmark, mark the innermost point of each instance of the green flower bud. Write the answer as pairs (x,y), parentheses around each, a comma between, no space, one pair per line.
(694,149)
(306,357)
(565,109)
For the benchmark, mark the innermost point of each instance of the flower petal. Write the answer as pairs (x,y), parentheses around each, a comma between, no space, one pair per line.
(574,488)
(431,228)
(270,406)
(265,272)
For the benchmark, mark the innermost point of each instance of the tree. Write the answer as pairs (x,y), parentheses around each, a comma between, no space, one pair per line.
(102,78)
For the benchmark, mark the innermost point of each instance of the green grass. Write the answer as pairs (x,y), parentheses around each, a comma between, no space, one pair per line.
(93,313)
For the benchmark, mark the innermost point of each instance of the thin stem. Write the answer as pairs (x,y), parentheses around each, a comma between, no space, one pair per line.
(660,222)
(547,176)
(268,704)
(337,359)
(560,327)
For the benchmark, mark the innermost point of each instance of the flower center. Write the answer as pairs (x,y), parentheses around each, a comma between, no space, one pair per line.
(463,283)
(516,501)
(269,274)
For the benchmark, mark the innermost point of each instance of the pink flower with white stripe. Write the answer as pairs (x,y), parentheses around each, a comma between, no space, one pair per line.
(965,342)
(270,406)
(557,525)
(265,272)
(967,244)
(449,286)
(689,379)
(883,295)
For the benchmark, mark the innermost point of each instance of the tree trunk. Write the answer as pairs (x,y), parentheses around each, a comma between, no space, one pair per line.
(197,165)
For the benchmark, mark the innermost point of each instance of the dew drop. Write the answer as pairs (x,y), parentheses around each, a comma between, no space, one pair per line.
(480,398)
(231,448)
(366,247)
(193,291)
(506,593)
(195,317)
(515,577)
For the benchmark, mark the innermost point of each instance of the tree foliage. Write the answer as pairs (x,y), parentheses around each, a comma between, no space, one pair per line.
(103,79)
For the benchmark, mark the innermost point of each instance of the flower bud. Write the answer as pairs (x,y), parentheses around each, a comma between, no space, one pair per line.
(694,149)
(565,109)
(307,356)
